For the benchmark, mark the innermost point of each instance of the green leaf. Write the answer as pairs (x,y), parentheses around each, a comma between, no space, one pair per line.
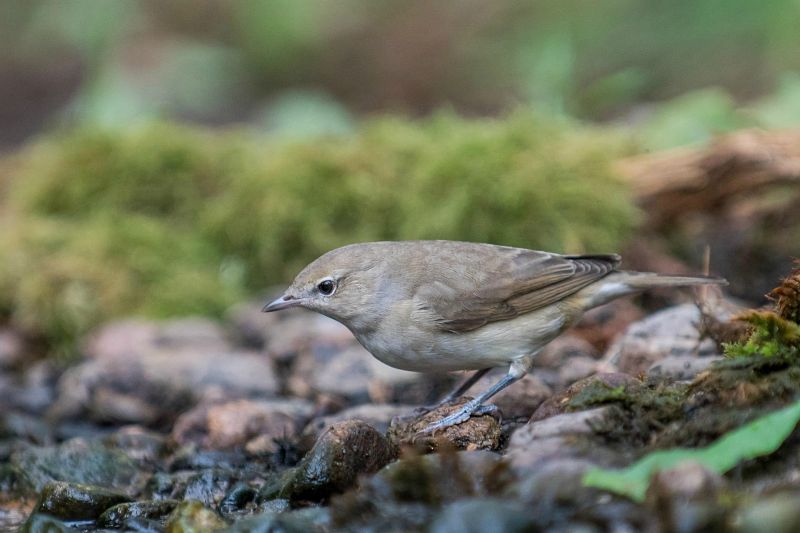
(759,437)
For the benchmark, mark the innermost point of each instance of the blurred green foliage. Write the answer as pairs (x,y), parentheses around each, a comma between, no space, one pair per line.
(160,219)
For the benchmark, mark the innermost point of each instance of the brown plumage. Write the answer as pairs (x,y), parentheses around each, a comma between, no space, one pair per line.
(446,305)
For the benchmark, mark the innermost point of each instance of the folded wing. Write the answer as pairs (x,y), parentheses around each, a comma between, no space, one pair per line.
(524,281)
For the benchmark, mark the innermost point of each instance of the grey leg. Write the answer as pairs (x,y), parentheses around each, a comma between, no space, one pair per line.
(464,387)
(517,370)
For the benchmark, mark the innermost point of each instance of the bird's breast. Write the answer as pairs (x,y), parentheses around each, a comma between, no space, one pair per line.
(405,342)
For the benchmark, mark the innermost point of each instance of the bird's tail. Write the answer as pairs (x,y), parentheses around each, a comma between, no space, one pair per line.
(624,282)
(650,280)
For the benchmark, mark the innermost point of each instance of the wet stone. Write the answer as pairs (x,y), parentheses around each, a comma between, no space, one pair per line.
(476,433)
(74,461)
(344,452)
(209,486)
(42,523)
(73,501)
(407,494)
(308,520)
(237,498)
(122,515)
(191,516)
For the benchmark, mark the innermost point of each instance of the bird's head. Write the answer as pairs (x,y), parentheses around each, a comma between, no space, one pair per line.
(344,284)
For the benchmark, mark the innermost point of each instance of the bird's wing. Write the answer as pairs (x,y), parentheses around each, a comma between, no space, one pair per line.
(520,283)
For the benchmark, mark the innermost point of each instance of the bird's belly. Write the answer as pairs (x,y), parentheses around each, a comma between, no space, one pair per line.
(495,344)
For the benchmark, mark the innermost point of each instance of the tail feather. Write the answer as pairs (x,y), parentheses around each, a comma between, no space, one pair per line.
(624,282)
(650,280)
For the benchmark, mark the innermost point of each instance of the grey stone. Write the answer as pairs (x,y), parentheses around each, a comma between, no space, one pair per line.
(144,373)
(680,367)
(475,515)
(671,332)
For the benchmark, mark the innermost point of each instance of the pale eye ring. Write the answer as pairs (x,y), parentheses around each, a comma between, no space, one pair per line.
(326,287)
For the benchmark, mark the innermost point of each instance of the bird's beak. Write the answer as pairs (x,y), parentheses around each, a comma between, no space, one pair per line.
(281,303)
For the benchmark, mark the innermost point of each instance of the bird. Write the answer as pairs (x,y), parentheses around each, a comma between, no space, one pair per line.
(439,305)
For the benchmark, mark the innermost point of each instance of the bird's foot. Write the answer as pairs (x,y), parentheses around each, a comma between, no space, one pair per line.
(471,408)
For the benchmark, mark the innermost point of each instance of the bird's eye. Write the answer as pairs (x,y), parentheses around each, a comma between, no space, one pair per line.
(326,287)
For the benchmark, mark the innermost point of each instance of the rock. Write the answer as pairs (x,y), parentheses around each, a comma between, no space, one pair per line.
(579,422)
(776,513)
(686,481)
(190,516)
(345,451)
(485,514)
(563,348)
(680,367)
(308,520)
(120,516)
(73,501)
(42,523)
(249,325)
(142,446)
(12,354)
(671,332)
(378,416)
(233,424)
(352,373)
(555,480)
(299,332)
(237,499)
(144,373)
(74,461)
(576,369)
(604,382)
(32,391)
(684,498)
(475,433)
(601,325)
(518,400)
(26,427)
(558,437)
(407,494)
(208,486)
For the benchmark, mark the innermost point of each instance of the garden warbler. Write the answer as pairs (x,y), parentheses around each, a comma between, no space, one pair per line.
(445,305)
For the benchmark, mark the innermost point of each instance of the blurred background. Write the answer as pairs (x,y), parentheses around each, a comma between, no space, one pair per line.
(166,166)
(165,158)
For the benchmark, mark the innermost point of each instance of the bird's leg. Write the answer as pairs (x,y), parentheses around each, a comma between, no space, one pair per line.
(516,371)
(464,387)
(454,394)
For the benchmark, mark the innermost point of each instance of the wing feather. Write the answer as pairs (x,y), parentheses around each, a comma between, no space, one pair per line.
(524,282)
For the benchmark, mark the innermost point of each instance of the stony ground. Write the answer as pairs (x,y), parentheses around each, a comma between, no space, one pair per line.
(283,423)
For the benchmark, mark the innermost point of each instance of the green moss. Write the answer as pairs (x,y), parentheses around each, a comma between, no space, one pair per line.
(162,220)
(772,336)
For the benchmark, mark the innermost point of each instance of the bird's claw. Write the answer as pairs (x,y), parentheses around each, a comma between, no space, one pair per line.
(468,410)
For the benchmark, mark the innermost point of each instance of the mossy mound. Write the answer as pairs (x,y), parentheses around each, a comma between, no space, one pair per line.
(162,220)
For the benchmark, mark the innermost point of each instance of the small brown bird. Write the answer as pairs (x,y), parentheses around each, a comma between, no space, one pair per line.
(445,305)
